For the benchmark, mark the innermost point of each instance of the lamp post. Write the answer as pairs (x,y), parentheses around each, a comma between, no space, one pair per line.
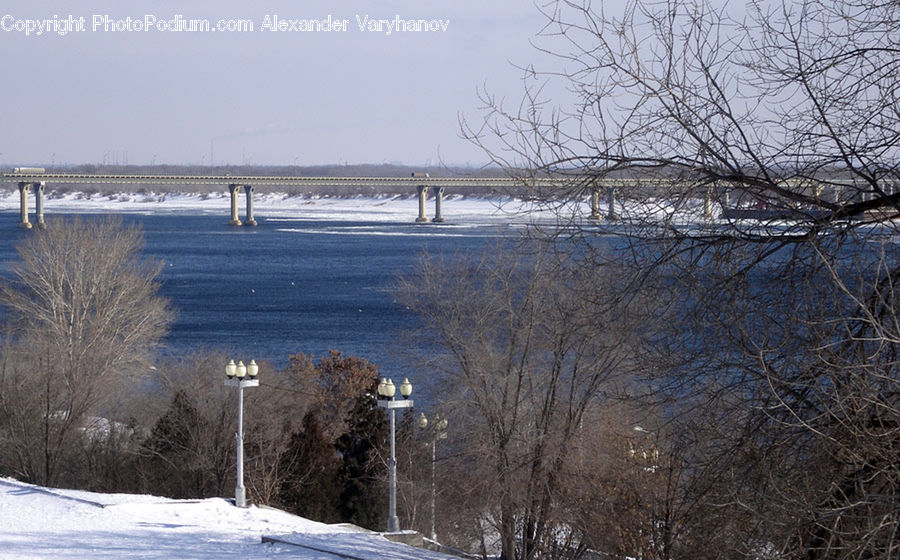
(648,458)
(386,391)
(241,376)
(438,431)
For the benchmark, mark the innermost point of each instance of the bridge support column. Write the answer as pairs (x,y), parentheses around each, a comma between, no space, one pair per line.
(423,192)
(708,204)
(234,190)
(611,202)
(595,203)
(249,221)
(39,204)
(438,199)
(23,205)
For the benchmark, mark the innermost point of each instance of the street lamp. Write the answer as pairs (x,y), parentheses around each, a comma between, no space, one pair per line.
(648,455)
(241,376)
(438,431)
(386,392)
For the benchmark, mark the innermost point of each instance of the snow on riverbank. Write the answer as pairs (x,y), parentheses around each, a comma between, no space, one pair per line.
(37,522)
(456,208)
(277,205)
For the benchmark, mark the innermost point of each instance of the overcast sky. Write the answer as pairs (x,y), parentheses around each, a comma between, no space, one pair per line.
(260,97)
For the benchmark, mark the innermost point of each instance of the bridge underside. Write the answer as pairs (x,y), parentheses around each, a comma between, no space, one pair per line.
(233,189)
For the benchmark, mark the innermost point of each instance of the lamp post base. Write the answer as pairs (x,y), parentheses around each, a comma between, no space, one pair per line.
(240,497)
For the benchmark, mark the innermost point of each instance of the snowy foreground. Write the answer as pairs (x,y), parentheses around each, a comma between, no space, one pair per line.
(37,522)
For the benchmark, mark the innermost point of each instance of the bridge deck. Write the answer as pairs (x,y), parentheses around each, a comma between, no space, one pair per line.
(259,181)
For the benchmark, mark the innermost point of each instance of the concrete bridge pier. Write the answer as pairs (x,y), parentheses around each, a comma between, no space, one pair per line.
(838,194)
(249,218)
(438,199)
(23,205)
(39,204)
(423,192)
(595,204)
(611,214)
(234,190)
(708,204)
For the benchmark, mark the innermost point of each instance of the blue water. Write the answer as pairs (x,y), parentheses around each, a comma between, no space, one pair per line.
(290,286)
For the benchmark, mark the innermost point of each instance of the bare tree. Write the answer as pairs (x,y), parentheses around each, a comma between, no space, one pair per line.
(85,317)
(779,351)
(189,450)
(529,359)
(793,107)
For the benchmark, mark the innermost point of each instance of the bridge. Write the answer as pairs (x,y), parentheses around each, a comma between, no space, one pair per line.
(29,178)
(36,179)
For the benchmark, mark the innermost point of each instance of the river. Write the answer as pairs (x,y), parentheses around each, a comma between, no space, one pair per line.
(292,284)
